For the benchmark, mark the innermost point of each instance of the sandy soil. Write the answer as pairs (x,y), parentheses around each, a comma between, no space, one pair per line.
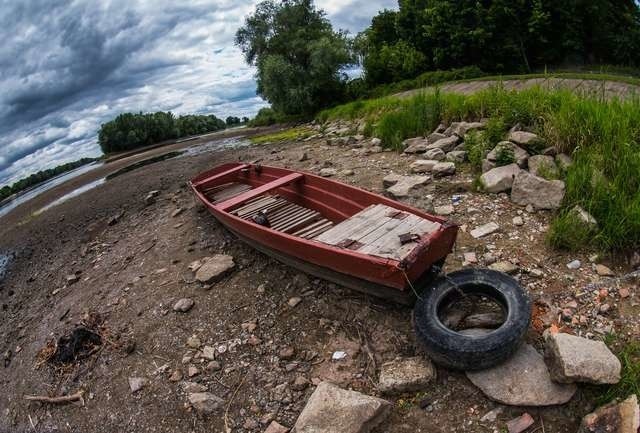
(133,271)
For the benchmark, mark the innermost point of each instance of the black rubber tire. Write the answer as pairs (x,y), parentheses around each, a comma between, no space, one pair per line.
(457,351)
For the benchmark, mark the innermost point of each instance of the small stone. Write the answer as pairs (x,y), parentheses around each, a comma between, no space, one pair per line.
(193,371)
(303,157)
(209,353)
(300,383)
(177,212)
(347,172)
(136,383)
(293,302)
(604,271)
(584,217)
(484,230)
(194,342)
(254,340)
(250,424)
(576,359)
(504,266)
(190,387)
(492,415)
(622,417)
(332,409)
(406,375)
(328,172)
(604,308)
(574,265)
(183,305)
(274,427)
(470,258)
(624,292)
(72,279)
(445,210)
(405,184)
(213,366)
(520,424)
(176,376)
(522,380)
(214,268)
(518,221)
(286,353)
(376,141)
(205,402)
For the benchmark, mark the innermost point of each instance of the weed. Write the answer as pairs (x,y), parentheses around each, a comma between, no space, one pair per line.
(286,135)
(477,147)
(504,155)
(548,171)
(629,355)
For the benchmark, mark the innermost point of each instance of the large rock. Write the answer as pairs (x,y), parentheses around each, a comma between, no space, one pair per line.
(415,145)
(575,359)
(499,179)
(406,375)
(525,139)
(540,164)
(435,154)
(444,169)
(214,268)
(520,155)
(462,128)
(523,380)
(423,165)
(528,189)
(487,165)
(334,410)
(445,144)
(456,156)
(405,184)
(391,179)
(623,417)
(435,136)
(205,402)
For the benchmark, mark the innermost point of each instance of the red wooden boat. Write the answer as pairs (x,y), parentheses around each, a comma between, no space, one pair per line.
(328,229)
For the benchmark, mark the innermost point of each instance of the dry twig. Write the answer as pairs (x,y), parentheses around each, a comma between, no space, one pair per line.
(63,399)
(226,412)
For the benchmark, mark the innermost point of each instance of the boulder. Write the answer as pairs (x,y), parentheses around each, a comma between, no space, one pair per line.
(525,139)
(435,154)
(405,184)
(214,268)
(462,128)
(614,417)
(205,402)
(415,145)
(528,189)
(422,165)
(523,380)
(444,169)
(435,136)
(334,410)
(445,144)
(563,161)
(575,359)
(499,179)
(487,165)
(520,155)
(456,156)
(406,375)
(484,230)
(540,164)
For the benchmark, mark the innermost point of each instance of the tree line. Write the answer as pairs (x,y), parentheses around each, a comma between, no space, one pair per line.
(301,60)
(129,131)
(41,176)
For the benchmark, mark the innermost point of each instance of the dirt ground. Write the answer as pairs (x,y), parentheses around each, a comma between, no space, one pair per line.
(131,269)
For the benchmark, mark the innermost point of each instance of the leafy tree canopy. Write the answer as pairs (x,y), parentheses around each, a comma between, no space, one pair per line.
(129,130)
(498,36)
(298,55)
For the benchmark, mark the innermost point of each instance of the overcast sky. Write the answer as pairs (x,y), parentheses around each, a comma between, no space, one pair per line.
(68,66)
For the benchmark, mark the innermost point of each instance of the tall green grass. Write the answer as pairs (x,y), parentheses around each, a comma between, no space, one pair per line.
(603,138)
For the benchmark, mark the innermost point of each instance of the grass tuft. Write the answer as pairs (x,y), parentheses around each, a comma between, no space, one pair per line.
(629,355)
(286,135)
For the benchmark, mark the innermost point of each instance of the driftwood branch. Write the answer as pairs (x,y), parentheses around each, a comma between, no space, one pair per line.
(63,399)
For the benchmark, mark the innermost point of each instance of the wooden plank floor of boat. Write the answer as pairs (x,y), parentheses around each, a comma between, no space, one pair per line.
(377,231)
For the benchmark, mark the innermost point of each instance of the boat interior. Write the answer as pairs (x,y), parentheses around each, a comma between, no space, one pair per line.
(370,228)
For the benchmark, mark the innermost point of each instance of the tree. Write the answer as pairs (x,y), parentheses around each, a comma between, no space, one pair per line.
(298,56)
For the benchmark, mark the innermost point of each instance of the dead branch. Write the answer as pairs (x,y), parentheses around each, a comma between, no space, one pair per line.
(63,399)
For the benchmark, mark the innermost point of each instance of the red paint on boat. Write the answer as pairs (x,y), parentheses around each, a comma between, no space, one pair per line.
(336,201)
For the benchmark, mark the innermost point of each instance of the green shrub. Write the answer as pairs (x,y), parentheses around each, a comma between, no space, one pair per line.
(504,156)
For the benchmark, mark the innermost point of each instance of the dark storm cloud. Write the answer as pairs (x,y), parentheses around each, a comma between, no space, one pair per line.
(68,66)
